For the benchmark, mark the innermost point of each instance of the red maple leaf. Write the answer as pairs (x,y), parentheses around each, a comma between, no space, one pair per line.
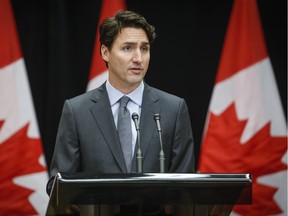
(259,156)
(19,156)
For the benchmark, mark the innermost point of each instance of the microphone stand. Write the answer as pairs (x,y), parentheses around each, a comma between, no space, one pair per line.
(161,154)
(139,153)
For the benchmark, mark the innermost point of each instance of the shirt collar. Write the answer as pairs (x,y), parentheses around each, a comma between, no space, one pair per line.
(114,95)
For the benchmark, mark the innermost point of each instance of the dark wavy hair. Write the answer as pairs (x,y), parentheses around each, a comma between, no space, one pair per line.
(110,27)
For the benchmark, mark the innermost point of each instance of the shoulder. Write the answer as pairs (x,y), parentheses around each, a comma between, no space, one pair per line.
(160,94)
(79,99)
(91,96)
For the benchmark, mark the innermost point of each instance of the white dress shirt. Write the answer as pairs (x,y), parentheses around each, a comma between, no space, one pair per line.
(134,105)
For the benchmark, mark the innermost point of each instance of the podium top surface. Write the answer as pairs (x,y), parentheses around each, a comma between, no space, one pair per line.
(156,178)
(151,188)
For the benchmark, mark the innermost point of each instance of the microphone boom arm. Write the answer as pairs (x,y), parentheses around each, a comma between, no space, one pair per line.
(161,154)
(139,156)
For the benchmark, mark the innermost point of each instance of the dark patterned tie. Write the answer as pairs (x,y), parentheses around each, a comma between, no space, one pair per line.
(125,131)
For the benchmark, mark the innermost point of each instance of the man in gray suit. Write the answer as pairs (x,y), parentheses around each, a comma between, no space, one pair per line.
(87,139)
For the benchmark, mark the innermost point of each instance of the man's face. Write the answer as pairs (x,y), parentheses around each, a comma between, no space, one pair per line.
(128,59)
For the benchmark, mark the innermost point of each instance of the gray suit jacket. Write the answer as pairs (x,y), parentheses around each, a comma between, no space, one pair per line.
(87,139)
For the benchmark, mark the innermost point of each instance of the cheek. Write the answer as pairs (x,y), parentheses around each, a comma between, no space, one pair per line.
(146,61)
(121,59)
(121,63)
(115,60)
(146,57)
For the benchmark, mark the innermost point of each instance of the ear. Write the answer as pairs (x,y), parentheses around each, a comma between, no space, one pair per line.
(104,53)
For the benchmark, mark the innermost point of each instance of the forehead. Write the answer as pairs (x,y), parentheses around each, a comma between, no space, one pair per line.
(131,35)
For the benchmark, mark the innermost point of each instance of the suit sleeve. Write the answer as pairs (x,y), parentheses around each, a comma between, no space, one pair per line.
(66,152)
(183,160)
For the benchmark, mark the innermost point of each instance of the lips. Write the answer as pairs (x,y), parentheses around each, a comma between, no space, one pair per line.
(136,69)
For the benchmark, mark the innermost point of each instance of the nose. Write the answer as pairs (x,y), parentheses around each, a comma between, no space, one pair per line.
(137,56)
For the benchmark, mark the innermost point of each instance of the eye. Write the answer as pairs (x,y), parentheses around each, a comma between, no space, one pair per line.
(144,49)
(127,48)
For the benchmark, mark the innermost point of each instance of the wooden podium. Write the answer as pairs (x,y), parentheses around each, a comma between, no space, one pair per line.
(182,193)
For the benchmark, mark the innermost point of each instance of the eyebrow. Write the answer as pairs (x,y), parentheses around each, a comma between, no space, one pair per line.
(133,43)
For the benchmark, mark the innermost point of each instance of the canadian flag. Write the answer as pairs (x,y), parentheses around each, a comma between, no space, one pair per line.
(98,71)
(23,168)
(245,129)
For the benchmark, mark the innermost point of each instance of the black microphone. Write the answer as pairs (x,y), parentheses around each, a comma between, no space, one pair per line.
(161,154)
(139,157)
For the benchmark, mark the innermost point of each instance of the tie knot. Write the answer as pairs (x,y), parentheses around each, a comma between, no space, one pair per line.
(124,101)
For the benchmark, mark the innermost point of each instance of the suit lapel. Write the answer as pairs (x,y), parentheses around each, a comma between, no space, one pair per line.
(102,114)
(150,106)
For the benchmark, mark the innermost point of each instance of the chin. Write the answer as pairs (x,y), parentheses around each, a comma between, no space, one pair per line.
(135,79)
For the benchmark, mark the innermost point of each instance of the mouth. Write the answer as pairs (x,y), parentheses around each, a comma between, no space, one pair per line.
(136,70)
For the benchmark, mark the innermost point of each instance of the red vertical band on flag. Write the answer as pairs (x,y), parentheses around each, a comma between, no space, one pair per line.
(244,32)
(10,49)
